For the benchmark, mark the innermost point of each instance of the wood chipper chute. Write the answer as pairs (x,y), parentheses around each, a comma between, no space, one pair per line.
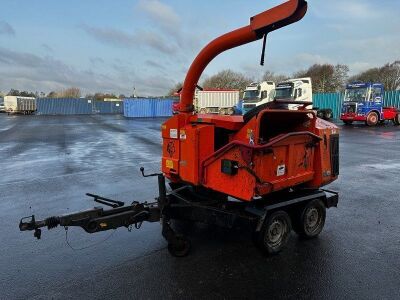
(264,169)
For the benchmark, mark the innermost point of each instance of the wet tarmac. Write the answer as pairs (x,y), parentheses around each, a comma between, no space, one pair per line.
(49,163)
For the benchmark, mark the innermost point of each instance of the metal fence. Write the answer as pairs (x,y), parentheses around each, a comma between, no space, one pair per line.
(334,101)
(392,99)
(147,108)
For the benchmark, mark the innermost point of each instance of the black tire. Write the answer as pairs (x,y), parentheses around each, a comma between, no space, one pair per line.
(222,111)
(230,111)
(274,233)
(181,248)
(311,219)
(396,120)
(320,114)
(372,119)
(328,114)
(347,122)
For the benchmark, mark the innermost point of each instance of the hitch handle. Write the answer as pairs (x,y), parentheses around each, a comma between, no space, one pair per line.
(31,225)
(148,175)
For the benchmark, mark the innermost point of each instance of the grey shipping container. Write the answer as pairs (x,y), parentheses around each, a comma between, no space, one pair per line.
(108,107)
(64,106)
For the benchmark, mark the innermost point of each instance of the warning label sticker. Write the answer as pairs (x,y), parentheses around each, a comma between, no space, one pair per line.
(173,133)
(169,164)
(281,170)
(182,135)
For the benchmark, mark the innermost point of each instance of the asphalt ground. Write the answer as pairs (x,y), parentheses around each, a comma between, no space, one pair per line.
(49,163)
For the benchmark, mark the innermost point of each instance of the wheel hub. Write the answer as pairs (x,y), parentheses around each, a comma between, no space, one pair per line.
(312,217)
(276,232)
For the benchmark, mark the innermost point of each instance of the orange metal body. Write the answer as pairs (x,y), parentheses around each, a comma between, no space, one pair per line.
(272,151)
(270,157)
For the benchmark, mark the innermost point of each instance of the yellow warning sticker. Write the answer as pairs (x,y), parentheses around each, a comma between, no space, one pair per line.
(249,133)
(169,164)
(182,134)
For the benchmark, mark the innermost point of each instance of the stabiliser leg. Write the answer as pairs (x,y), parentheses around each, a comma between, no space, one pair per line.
(178,245)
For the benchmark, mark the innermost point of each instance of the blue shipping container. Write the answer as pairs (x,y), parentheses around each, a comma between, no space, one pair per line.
(147,108)
(64,106)
(105,107)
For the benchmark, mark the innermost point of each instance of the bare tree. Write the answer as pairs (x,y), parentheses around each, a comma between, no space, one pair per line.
(71,92)
(370,75)
(271,76)
(52,94)
(388,75)
(14,92)
(340,77)
(326,78)
(227,79)
(176,88)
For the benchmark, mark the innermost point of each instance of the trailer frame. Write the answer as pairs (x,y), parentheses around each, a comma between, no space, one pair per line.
(187,203)
(230,214)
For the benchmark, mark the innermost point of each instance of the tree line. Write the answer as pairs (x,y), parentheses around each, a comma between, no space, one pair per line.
(72,92)
(326,78)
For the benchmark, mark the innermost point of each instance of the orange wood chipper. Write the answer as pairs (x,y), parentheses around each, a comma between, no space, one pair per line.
(264,169)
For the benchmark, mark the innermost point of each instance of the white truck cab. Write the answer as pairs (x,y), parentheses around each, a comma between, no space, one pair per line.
(258,93)
(298,89)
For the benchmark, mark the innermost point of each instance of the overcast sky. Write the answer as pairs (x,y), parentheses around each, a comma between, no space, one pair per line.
(111,46)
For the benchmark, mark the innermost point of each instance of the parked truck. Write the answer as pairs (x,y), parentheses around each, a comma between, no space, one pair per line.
(215,101)
(297,90)
(365,102)
(2,107)
(18,104)
(257,93)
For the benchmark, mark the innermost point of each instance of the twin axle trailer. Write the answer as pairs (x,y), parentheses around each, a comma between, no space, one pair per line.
(270,220)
